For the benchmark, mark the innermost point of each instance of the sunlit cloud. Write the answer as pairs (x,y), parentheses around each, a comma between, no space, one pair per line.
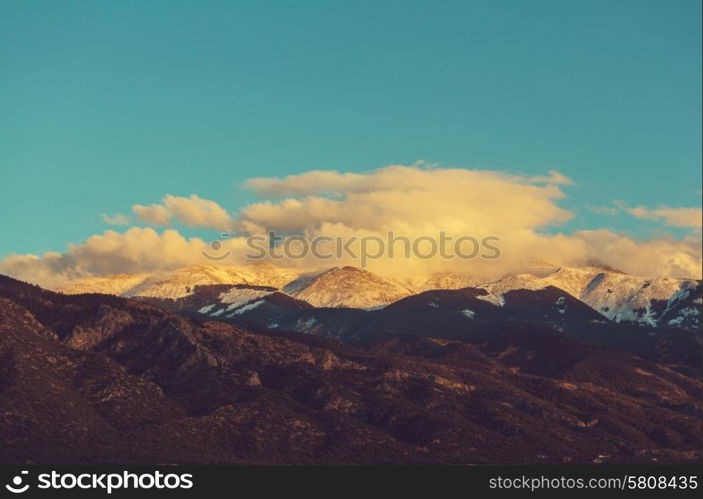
(674,217)
(192,211)
(139,249)
(524,212)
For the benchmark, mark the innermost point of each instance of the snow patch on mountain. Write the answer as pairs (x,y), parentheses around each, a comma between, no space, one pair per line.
(248,307)
(236,297)
(206,309)
(498,301)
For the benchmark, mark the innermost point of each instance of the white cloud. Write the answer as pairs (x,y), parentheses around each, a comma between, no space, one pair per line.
(192,211)
(674,217)
(404,198)
(118,219)
(154,214)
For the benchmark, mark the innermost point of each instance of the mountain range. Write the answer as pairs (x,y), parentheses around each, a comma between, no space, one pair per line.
(658,318)
(267,365)
(85,376)
(617,296)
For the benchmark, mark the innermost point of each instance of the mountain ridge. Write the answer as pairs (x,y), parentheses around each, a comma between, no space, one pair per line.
(83,377)
(617,296)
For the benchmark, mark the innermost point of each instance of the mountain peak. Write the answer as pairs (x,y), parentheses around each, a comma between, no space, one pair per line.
(348,286)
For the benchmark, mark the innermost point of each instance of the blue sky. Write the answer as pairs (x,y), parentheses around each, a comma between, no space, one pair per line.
(108,104)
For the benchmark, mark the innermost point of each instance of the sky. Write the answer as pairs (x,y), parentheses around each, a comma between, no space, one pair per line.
(108,105)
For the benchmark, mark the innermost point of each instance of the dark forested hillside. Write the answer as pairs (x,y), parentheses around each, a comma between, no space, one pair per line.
(102,379)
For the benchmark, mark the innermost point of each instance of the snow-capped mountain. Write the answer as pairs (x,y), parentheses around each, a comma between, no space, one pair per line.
(618,296)
(347,287)
(337,287)
(181,282)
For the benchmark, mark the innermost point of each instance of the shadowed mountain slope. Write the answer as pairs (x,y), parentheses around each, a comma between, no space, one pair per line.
(84,377)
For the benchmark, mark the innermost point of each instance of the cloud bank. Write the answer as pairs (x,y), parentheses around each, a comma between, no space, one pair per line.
(524,212)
